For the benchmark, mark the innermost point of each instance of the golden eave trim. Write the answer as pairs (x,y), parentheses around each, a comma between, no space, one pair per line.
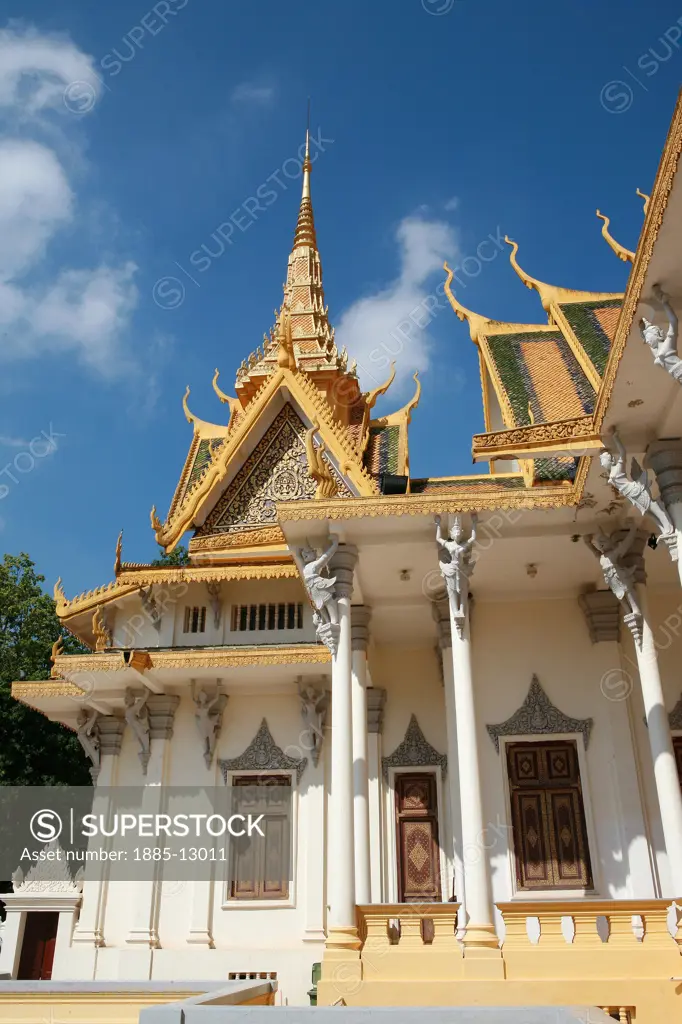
(26,691)
(626,255)
(462,500)
(572,438)
(130,581)
(655,209)
(292,654)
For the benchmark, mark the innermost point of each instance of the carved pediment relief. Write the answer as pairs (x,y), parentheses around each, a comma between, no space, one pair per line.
(277,470)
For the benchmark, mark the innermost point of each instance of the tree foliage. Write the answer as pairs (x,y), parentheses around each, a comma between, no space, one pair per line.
(33,750)
(178,556)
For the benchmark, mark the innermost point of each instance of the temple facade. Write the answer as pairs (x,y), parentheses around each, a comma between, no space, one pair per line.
(471,685)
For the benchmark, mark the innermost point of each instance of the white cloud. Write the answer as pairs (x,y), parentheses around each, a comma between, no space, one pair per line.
(44,306)
(36,68)
(35,200)
(393,323)
(252,93)
(451,204)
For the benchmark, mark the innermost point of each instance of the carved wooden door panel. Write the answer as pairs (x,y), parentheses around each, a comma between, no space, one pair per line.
(417,838)
(548,816)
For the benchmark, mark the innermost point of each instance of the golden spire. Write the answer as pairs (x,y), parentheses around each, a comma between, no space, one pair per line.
(621,252)
(305,226)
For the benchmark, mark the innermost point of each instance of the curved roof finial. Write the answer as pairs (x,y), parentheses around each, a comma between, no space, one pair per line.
(233,403)
(371,396)
(191,418)
(119,551)
(621,252)
(286,357)
(530,282)
(477,323)
(408,409)
(646,199)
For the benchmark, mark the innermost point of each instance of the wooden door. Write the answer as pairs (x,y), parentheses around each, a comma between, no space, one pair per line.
(548,816)
(417,838)
(37,950)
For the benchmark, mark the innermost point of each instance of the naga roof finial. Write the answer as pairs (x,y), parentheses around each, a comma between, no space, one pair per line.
(621,252)
(119,550)
(646,199)
(286,358)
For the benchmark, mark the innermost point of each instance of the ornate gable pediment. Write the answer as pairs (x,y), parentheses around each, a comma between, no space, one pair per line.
(277,470)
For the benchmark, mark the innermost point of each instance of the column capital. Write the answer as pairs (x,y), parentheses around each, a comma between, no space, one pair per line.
(342,566)
(360,615)
(376,698)
(665,458)
(162,708)
(601,609)
(111,731)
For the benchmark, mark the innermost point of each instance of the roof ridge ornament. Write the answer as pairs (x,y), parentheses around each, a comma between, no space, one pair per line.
(553,294)
(626,255)
(646,199)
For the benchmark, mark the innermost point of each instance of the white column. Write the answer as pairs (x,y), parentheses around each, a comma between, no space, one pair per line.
(665,458)
(162,709)
(601,609)
(12,940)
(312,828)
(480,938)
(90,927)
(376,699)
(342,934)
(658,726)
(360,616)
(441,613)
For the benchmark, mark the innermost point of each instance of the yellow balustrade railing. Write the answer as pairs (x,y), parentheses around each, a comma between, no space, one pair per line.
(394,934)
(589,938)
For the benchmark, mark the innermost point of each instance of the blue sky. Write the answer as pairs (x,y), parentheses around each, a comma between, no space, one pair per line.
(131,132)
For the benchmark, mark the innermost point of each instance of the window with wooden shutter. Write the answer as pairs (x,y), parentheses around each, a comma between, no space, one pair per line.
(548,816)
(256,867)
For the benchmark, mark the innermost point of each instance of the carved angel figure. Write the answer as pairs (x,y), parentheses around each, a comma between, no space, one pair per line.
(635,490)
(320,588)
(88,734)
(208,714)
(663,346)
(314,713)
(151,606)
(618,577)
(137,717)
(456,566)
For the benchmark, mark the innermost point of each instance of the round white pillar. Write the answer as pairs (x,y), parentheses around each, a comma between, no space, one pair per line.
(660,741)
(342,929)
(360,616)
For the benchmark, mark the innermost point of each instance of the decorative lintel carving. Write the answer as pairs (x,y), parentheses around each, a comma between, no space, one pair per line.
(414,752)
(538,716)
(263,755)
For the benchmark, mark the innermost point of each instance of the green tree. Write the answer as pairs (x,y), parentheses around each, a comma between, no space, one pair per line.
(33,750)
(178,556)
